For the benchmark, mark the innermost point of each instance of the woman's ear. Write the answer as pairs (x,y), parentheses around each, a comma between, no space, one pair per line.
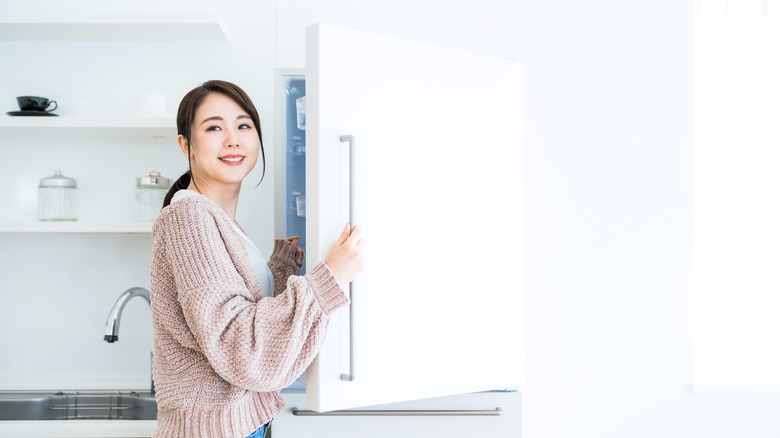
(183,143)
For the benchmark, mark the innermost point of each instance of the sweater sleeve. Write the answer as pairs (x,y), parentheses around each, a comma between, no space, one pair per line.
(261,345)
(282,264)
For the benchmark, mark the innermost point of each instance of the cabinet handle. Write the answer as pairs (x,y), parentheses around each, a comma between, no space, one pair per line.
(398,413)
(351,376)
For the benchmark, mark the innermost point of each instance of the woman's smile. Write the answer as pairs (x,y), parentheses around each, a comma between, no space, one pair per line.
(232,160)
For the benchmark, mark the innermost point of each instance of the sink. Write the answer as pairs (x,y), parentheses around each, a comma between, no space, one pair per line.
(77,405)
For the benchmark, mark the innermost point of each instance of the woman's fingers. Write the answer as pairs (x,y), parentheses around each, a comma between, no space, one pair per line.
(346,256)
(344,235)
(356,234)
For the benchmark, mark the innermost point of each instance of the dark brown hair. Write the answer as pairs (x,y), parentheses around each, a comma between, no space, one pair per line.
(186,117)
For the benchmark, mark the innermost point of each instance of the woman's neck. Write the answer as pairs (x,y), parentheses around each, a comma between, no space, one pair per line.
(226,198)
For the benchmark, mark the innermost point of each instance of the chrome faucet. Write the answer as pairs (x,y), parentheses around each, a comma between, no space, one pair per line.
(115,315)
(112,323)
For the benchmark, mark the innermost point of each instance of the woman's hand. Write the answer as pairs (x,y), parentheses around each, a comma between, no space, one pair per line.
(299,255)
(345,258)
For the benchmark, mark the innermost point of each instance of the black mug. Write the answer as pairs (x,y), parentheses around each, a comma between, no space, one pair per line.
(32,103)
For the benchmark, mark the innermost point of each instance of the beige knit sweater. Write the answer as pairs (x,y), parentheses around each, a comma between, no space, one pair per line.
(221,351)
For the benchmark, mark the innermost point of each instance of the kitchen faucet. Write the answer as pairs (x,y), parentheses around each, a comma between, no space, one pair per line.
(115,315)
(112,323)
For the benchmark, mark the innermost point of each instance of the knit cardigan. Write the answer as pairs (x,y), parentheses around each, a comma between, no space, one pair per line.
(222,352)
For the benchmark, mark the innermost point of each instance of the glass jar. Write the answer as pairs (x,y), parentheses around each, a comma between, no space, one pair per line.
(58,198)
(150,191)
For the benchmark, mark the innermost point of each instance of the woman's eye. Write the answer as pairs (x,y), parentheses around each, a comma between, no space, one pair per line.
(213,128)
(244,126)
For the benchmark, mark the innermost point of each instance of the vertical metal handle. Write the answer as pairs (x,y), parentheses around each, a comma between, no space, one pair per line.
(351,376)
(351,140)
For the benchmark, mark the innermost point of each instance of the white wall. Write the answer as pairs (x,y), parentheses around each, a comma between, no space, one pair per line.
(609,200)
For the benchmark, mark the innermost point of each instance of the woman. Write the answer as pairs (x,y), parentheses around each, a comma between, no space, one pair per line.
(222,352)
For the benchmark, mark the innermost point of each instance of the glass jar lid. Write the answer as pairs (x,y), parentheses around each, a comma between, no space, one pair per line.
(153,181)
(58,180)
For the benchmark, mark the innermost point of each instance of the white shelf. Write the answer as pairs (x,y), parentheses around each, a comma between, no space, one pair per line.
(158,127)
(111,27)
(735,389)
(128,227)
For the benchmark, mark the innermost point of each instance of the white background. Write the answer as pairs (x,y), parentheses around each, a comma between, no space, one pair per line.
(609,194)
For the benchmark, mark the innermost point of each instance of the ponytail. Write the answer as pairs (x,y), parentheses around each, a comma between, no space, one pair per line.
(182,183)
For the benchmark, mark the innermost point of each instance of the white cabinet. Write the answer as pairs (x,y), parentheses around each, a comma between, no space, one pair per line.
(433,172)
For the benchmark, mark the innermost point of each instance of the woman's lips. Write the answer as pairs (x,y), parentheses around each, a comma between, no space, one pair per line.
(232,160)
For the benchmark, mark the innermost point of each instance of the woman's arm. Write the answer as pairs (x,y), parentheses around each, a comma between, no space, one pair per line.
(258,345)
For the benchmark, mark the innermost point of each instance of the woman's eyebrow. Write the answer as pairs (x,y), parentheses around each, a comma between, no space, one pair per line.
(242,116)
(210,118)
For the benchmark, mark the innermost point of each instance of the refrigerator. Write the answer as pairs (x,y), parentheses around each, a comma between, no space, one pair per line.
(422,146)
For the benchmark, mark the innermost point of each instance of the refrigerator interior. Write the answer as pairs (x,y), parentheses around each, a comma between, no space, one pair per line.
(294,140)
(291,182)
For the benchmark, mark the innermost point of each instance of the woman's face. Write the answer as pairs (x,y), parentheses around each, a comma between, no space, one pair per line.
(224,142)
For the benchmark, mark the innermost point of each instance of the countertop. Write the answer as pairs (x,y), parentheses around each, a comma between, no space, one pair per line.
(77,429)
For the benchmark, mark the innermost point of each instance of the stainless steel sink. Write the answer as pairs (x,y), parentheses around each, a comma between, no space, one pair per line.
(96,405)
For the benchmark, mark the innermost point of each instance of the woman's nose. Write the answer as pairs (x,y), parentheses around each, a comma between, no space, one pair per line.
(231,139)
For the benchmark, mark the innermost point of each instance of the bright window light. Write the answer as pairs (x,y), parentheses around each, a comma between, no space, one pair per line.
(737,193)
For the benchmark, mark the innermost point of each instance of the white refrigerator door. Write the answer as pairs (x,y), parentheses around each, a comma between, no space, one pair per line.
(439,308)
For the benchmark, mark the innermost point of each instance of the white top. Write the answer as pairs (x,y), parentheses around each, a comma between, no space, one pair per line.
(256,258)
